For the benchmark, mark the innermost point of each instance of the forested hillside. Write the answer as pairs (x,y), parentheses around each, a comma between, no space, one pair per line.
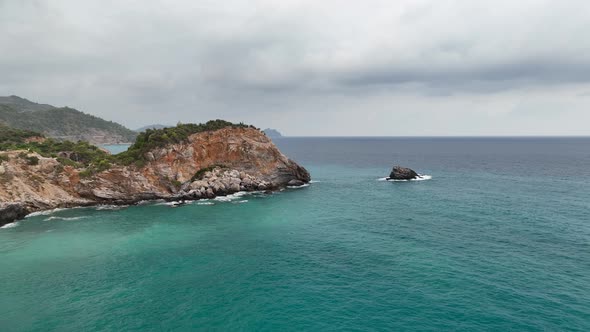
(61,123)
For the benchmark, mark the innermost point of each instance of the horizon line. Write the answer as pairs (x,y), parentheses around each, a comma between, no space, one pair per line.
(436,136)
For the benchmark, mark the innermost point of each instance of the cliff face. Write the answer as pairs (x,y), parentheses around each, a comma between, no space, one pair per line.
(206,165)
(242,149)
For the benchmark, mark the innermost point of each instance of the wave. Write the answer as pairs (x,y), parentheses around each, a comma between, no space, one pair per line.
(111,207)
(44,213)
(232,197)
(421,178)
(64,218)
(11,225)
(173,203)
(150,202)
(297,187)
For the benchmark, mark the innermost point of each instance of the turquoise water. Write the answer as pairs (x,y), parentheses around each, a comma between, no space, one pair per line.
(498,239)
(116,148)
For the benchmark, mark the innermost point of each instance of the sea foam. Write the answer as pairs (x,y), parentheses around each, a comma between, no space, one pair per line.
(298,187)
(231,197)
(111,207)
(64,218)
(421,178)
(11,225)
(44,213)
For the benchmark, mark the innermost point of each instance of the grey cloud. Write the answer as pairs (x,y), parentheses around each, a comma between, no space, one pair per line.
(248,60)
(484,78)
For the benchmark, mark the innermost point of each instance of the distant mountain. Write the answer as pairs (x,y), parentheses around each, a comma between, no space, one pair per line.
(272,133)
(154,126)
(24,104)
(61,123)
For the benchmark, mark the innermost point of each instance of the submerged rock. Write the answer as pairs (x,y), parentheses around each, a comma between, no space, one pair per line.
(402,173)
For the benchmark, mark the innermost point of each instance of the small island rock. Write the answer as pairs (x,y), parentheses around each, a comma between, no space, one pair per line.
(402,173)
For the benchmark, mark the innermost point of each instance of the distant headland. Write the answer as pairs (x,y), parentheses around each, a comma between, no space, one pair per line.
(272,133)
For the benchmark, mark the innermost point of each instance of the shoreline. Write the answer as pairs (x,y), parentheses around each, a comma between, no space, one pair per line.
(28,212)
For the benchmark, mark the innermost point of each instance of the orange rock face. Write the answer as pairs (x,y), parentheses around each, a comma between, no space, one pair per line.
(242,149)
(247,160)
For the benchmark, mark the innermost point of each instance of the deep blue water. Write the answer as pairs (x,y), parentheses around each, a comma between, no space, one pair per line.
(498,239)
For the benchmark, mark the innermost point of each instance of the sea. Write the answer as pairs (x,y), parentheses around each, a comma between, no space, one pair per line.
(495,237)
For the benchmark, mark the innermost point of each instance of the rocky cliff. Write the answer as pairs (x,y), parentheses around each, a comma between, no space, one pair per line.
(206,164)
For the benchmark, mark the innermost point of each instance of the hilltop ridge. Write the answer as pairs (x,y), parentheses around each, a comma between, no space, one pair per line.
(63,123)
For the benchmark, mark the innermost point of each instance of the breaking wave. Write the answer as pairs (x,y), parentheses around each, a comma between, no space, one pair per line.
(232,197)
(64,218)
(110,207)
(301,186)
(44,213)
(11,225)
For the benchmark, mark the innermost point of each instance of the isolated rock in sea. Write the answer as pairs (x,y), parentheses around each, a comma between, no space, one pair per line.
(402,173)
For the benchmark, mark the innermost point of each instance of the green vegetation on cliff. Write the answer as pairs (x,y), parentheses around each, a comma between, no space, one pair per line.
(61,123)
(79,154)
(154,126)
(155,138)
(85,155)
(9,136)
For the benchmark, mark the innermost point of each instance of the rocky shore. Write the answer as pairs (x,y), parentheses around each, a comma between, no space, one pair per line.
(206,165)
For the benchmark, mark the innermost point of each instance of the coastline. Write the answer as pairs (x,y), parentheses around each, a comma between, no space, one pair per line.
(205,164)
(5,207)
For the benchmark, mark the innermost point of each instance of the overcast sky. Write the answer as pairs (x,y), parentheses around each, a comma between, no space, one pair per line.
(388,68)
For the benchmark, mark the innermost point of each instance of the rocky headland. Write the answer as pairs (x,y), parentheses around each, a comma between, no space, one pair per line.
(204,164)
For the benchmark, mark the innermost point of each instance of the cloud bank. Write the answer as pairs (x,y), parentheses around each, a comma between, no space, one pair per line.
(306,67)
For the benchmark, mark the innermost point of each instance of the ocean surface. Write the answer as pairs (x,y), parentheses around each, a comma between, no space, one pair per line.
(116,148)
(498,239)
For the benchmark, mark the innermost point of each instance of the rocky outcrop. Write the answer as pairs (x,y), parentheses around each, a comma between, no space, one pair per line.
(221,182)
(402,173)
(10,212)
(206,165)
(243,149)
